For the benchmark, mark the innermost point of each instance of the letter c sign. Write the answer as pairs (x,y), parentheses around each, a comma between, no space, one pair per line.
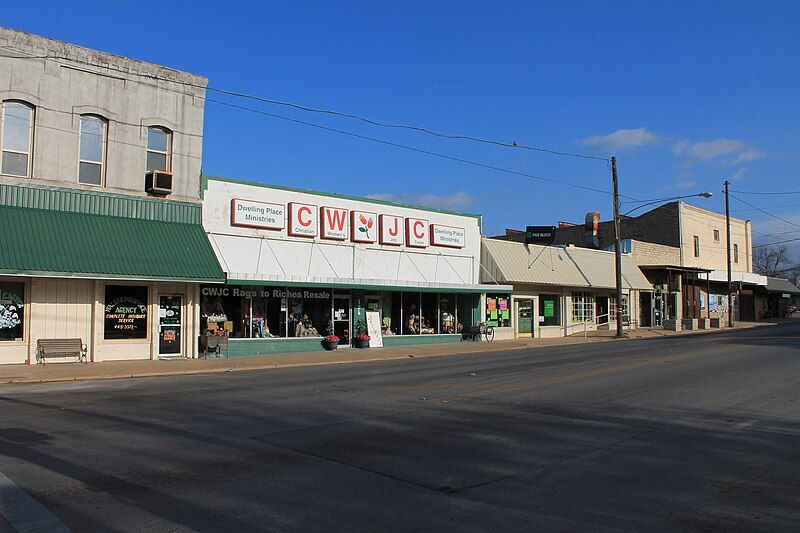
(302,220)
(417,231)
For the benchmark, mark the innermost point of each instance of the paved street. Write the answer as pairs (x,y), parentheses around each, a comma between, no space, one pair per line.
(698,432)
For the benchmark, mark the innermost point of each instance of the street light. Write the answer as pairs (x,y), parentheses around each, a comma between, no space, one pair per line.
(704,194)
(617,243)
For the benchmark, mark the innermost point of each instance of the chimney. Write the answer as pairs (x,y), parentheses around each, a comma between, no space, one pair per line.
(591,227)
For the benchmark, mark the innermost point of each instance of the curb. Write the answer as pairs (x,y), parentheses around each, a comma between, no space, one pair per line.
(255,368)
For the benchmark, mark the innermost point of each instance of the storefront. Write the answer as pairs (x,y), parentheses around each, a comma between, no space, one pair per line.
(777,299)
(560,291)
(302,265)
(122,274)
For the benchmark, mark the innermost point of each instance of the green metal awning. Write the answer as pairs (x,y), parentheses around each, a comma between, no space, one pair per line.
(43,242)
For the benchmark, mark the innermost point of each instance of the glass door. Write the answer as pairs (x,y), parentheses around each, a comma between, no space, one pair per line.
(341,318)
(170,325)
(525,318)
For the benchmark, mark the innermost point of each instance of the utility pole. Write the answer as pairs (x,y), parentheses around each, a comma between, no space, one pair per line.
(731,320)
(617,247)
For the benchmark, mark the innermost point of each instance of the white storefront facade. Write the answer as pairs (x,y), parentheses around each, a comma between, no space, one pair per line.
(302,264)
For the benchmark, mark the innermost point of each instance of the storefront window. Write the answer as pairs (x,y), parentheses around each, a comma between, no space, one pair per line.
(268,320)
(447,313)
(411,313)
(12,310)
(612,303)
(309,312)
(126,312)
(498,313)
(225,311)
(465,306)
(582,307)
(549,310)
(429,319)
(391,321)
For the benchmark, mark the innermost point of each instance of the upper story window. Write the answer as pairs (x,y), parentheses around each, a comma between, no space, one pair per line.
(92,150)
(17,138)
(735,253)
(716,235)
(159,148)
(696,246)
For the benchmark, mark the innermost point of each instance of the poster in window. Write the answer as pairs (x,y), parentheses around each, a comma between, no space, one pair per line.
(12,308)
(549,308)
(125,312)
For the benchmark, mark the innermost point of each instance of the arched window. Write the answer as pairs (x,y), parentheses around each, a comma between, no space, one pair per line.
(16,138)
(91,166)
(159,148)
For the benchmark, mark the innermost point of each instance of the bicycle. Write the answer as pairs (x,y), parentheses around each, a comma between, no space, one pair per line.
(486,331)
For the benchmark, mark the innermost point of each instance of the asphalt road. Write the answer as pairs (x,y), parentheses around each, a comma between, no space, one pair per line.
(698,432)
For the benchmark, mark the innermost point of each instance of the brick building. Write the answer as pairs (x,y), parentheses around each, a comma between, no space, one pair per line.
(682,251)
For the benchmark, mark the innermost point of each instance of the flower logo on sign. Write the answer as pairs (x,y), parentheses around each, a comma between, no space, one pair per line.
(366,225)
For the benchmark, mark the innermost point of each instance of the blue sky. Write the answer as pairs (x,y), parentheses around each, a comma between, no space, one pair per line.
(686,94)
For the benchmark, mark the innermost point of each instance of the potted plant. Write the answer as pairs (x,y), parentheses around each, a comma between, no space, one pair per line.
(331,342)
(362,339)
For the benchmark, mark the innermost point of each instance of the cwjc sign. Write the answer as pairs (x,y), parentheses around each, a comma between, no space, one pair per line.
(337,224)
(544,235)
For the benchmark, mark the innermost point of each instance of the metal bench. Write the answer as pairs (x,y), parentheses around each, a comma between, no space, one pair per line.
(50,348)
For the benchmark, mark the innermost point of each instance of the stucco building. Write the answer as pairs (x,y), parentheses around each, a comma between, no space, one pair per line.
(99,197)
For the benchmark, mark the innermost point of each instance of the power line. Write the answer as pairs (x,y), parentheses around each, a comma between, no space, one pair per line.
(766,212)
(777,242)
(309,109)
(411,148)
(763,192)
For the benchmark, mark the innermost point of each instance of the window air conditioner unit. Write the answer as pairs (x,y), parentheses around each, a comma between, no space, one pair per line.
(158,182)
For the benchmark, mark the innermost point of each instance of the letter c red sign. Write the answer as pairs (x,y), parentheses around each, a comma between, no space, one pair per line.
(418,224)
(300,212)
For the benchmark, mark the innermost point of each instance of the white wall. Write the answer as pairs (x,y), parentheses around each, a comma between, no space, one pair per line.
(67,308)
(275,255)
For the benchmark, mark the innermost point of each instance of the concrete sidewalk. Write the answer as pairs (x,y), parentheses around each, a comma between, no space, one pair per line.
(59,372)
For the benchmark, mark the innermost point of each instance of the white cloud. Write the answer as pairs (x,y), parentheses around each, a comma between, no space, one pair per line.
(708,150)
(747,156)
(739,173)
(685,184)
(456,201)
(621,139)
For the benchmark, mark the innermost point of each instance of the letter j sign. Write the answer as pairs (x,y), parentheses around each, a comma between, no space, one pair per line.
(391,230)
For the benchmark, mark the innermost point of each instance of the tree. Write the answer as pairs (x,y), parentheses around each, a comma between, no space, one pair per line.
(773,261)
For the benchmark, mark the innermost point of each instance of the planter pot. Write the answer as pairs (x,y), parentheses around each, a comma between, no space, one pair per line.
(329,345)
(359,343)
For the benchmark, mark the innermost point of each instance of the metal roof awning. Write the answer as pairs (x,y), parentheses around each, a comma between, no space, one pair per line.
(515,262)
(676,268)
(782,286)
(47,243)
(366,284)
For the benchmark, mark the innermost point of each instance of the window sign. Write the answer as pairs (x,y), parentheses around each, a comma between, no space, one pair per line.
(12,309)
(259,215)
(498,313)
(302,220)
(549,308)
(333,224)
(364,226)
(416,233)
(125,312)
(391,230)
(448,236)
